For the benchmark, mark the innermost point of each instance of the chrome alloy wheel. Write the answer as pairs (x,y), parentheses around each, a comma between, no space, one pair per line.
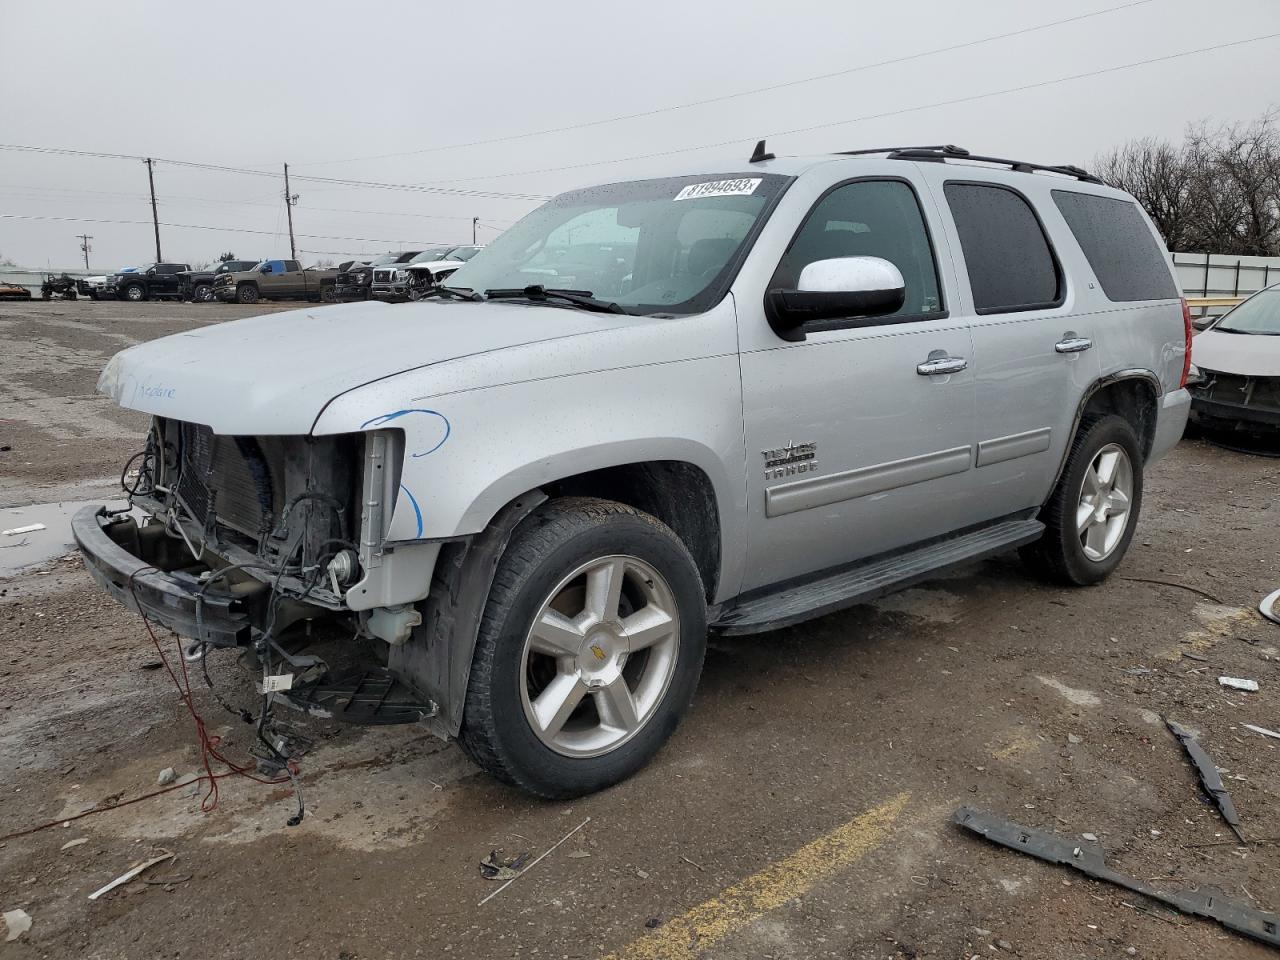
(600,655)
(1105,497)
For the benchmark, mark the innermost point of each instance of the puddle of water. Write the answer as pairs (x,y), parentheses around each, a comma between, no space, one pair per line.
(23,550)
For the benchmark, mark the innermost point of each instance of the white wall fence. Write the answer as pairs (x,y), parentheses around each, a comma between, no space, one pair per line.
(1222,275)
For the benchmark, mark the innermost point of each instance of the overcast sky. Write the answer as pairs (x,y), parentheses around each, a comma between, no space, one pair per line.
(325,86)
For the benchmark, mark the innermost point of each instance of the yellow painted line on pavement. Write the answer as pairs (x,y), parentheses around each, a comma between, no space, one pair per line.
(687,936)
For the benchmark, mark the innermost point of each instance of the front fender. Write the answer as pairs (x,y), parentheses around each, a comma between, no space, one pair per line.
(467,454)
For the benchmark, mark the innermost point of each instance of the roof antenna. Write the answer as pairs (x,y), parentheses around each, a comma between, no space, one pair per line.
(759,155)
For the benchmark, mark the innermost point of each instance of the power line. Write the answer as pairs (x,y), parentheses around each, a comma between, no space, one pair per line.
(737,141)
(220,168)
(201,226)
(906,58)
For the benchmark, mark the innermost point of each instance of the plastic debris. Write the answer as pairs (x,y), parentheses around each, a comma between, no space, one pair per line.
(167,776)
(29,528)
(1239,683)
(1210,778)
(1268,606)
(497,867)
(1262,730)
(547,853)
(18,922)
(131,873)
(1201,902)
(74,843)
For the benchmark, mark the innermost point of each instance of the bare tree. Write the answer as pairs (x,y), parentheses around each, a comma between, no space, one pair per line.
(1216,192)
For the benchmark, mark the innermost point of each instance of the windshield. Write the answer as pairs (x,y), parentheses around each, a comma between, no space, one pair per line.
(651,246)
(385,258)
(463,253)
(427,256)
(1260,314)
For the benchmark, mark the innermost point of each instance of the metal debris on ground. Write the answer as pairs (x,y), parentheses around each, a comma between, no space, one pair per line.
(546,853)
(1202,902)
(497,867)
(1267,607)
(29,528)
(1262,730)
(131,873)
(1239,683)
(17,922)
(1209,776)
(1198,657)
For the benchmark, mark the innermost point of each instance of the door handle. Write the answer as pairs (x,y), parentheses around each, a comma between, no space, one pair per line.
(1073,345)
(939,365)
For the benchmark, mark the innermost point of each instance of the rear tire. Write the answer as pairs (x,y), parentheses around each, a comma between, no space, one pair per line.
(246,293)
(1092,513)
(613,673)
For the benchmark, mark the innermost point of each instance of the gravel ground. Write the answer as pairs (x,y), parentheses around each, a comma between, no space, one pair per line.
(801,811)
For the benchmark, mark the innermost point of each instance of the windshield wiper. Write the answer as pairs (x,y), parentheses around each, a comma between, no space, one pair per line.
(538,293)
(461,293)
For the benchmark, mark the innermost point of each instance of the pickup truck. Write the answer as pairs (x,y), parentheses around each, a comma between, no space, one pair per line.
(393,281)
(95,287)
(810,381)
(357,281)
(197,285)
(156,282)
(276,280)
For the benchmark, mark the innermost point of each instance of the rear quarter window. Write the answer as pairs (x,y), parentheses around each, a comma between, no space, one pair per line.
(1125,256)
(1006,253)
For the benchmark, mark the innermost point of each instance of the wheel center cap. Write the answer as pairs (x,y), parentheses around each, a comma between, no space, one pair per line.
(598,660)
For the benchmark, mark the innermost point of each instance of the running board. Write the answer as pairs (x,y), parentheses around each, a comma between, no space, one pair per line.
(874,578)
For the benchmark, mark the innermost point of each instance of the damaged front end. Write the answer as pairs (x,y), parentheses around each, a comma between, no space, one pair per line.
(1236,403)
(270,543)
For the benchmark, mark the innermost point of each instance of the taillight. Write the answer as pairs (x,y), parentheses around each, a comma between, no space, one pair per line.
(1186,357)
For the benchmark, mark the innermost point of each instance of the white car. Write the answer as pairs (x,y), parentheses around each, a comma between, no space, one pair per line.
(1236,386)
(392,281)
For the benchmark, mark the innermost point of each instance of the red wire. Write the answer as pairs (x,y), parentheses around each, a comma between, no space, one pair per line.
(209,751)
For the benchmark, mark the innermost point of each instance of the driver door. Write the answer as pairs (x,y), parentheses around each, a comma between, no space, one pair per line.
(853,447)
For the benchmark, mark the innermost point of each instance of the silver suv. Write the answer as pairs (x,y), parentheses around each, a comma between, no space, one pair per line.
(729,400)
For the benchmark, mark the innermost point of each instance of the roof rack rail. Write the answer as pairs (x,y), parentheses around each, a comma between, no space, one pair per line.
(948,148)
(942,154)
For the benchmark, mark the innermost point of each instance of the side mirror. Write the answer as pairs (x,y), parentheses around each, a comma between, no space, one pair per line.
(1203,323)
(835,289)
(265,268)
(151,272)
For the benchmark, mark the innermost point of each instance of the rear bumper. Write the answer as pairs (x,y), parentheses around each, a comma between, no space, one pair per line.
(1171,421)
(126,560)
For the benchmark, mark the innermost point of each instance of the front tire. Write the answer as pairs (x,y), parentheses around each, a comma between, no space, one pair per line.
(589,650)
(135,293)
(1091,515)
(246,293)
(202,293)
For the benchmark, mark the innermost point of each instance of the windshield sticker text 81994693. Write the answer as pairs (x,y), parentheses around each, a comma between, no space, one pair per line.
(719,188)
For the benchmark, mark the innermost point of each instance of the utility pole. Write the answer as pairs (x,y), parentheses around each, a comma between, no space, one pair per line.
(84,248)
(155,217)
(474,221)
(289,201)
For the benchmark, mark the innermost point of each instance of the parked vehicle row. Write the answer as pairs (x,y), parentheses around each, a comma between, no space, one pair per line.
(401,274)
(275,280)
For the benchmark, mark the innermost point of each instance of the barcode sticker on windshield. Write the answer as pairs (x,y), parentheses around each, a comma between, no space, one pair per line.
(719,188)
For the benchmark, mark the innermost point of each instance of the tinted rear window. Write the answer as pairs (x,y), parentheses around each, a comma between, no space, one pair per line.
(1010,263)
(1124,254)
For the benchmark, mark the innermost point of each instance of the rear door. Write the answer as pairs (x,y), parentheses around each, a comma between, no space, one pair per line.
(1033,337)
(853,447)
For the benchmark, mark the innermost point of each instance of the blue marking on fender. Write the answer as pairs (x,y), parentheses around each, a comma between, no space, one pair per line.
(417,511)
(388,417)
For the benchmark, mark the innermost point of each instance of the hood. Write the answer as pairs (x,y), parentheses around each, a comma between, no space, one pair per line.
(274,374)
(434,266)
(1248,355)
